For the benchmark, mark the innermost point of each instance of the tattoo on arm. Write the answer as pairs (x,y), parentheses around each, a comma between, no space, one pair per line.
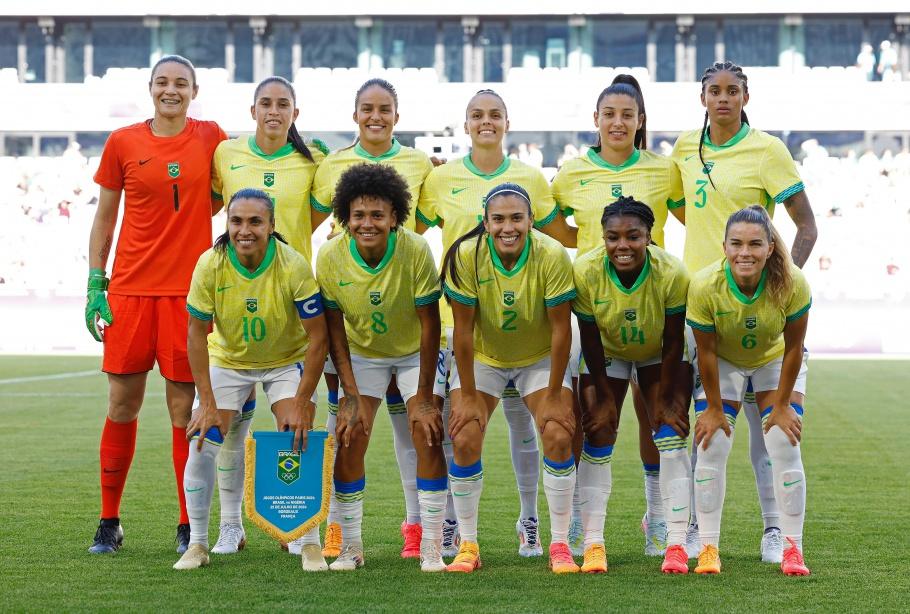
(106,249)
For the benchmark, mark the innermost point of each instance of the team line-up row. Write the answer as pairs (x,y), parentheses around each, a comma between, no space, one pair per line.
(505,280)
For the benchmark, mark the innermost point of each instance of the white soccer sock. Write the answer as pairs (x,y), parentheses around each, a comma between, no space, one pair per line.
(558,486)
(675,486)
(761,466)
(466,484)
(231,470)
(432,496)
(406,456)
(789,483)
(576,498)
(595,482)
(653,500)
(525,452)
(331,422)
(449,453)
(350,509)
(710,486)
(311,537)
(199,485)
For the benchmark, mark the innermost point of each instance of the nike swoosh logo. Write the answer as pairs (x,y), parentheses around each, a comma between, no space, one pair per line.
(193,489)
(789,484)
(461,494)
(528,440)
(457,190)
(223,288)
(234,167)
(434,510)
(722,313)
(601,302)
(483,281)
(345,283)
(142,162)
(679,509)
(585,181)
(702,481)
(349,518)
(440,381)
(687,158)
(227,468)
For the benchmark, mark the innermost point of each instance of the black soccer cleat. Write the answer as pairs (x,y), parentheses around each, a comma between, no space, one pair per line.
(108,537)
(183,538)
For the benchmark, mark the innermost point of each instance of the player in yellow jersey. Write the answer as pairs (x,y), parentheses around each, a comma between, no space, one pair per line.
(377,280)
(261,299)
(620,164)
(510,289)
(452,197)
(749,314)
(631,304)
(725,166)
(376,113)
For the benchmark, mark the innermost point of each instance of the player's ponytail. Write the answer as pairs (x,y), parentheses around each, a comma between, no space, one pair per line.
(778,279)
(294,137)
(710,71)
(627,85)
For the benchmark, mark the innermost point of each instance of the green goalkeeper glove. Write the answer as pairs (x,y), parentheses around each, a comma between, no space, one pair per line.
(96,305)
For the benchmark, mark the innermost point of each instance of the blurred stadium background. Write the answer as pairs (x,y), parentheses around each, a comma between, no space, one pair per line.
(832,81)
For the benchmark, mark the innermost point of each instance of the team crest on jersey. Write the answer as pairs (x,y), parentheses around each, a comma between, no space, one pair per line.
(616,190)
(268,179)
(375,298)
(508,297)
(630,315)
(252,305)
(751,322)
(288,466)
(173,169)
(707,168)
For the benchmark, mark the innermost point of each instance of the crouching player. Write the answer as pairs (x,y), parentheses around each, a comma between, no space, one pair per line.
(381,292)
(631,308)
(268,328)
(749,314)
(510,289)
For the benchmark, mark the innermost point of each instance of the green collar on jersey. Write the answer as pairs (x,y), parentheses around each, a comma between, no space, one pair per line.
(279,153)
(642,276)
(742,298)
(469,164)
(736,138)
(594,156)
(266,261)
(391,153)
(389,252)
(497,261)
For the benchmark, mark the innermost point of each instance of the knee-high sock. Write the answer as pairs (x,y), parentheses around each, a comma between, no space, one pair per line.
(595,482)
(675,483)
(789,481)
(199,484)
(431,492)
(406,456)
(118,444)
(653,501)
(467,484)
(230,466)
(350,509)
(180,452)
(524,450)
(449,453)
(330,422)
(711,483)
(761,464)
(558,486)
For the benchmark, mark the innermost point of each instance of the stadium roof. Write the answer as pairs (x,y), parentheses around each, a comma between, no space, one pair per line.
(119,8)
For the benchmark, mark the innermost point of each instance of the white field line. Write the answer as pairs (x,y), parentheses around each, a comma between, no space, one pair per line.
(44,378)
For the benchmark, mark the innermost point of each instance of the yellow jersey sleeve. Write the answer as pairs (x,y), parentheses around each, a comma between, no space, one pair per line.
(324,184)
(557,269)
(304,287)
(800,297)
(200,302)
(543,206)
(560,192)
(582,304)
(465,290)
(677,196)
(778,172)
(699,309)
(677,288)
(427,210)
(426,280)
(217,173)
(326,272)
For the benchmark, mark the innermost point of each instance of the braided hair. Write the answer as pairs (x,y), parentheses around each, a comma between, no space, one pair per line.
(710,71)
(627,205)
(627,85)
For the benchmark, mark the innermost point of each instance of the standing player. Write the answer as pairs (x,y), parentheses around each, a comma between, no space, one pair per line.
(618,165)
(264,307)
(278,161)
(725,166)
(749,314)
(452,197)
(376,113)
(163,166)
(631,307)
(378,279)
(510,289)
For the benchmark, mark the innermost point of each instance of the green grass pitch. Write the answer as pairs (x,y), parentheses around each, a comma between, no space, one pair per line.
(855,452)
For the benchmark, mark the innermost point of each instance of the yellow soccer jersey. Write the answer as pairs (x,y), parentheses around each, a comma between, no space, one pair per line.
(285,175)
(752,168)
(750,331)
(587,184)
(453,195)
(412,164)
(379,305)
(511,327)
(631,320)
(256,315)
